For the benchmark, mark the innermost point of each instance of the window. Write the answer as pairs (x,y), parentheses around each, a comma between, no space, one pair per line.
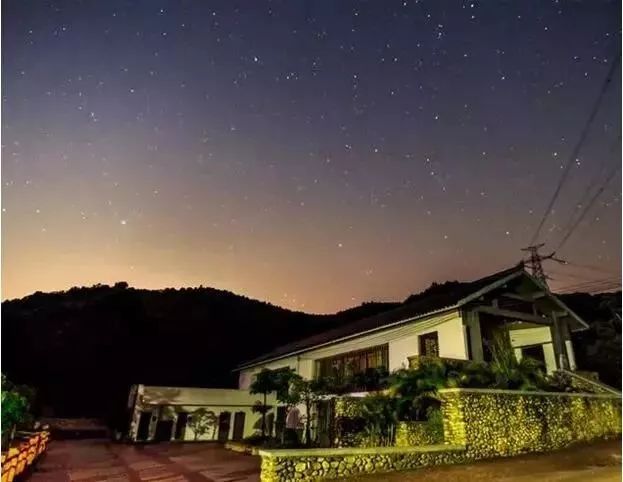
(535,352)
(429,344)
(346,365)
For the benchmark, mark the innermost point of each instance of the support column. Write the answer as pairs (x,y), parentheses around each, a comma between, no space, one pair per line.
(562,363)
(566,336)
(472,326)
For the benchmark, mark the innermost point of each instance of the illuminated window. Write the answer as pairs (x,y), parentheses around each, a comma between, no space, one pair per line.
(429,344)
(345,365)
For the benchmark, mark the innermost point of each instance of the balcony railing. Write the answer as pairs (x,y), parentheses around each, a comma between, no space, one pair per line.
(416,361)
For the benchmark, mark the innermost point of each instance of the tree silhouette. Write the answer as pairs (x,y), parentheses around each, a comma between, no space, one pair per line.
(202,421)
(265,382)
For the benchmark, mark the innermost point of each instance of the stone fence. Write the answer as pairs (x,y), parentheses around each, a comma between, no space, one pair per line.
(494,423)
(314,464)
(477,423)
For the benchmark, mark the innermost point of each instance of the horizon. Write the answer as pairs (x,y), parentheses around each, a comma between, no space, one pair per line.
(251,298)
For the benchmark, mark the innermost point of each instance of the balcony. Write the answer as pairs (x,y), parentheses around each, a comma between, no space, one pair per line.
(416,361)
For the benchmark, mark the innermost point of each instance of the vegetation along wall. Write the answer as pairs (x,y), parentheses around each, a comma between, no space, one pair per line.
(410,434)
(477,423)
(505,422)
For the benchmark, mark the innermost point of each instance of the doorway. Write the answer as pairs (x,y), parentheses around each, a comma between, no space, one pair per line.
(535,352)
(144,422)
(164,430)
(180,427)
(238,426)
(280,422)
(224,420)
(326,428)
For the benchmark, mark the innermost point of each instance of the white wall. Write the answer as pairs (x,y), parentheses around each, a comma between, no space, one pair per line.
(166,402)
(451,337)
(246,377)
(402,340)
(252,421)
(535,336)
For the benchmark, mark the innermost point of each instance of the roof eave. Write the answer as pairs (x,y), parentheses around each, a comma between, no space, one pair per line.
(583,325)
(345,338)
(490,287)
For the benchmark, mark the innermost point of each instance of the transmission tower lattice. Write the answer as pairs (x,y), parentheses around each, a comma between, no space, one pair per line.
(535,261)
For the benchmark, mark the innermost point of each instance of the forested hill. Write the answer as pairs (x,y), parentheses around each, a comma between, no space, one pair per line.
(84,347)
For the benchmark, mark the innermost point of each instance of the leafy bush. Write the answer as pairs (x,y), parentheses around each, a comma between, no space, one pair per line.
(559,382)
(434,421)
(370,380)
(415,389)
(347,429)
(379,418)
(16,402)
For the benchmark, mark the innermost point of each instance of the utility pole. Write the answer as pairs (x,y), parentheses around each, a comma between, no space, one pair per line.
(535,261)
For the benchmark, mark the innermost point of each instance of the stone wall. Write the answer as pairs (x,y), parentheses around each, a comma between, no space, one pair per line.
(477,423)
(503,422)
(313,464)
(411,434)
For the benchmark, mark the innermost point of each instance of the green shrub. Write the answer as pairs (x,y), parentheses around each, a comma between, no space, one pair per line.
(434,422)
(379,415)
(16,401)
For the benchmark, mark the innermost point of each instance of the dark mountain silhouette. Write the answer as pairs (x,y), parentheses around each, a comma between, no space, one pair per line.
(83,348)
(598,349)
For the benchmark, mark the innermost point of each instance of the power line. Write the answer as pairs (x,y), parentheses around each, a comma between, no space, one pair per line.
(589,188)
(577,147)
(588,206)
(589,267)
(591,285)
(610,279)
(593,282)
(594,291)
(568,275)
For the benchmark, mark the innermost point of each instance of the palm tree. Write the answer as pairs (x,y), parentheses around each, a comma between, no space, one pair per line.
(415,390)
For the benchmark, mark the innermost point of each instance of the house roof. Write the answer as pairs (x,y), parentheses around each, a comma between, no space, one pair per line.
(443,297)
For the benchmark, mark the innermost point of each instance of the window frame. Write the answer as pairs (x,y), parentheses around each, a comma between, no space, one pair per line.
(371,357)
(422,344)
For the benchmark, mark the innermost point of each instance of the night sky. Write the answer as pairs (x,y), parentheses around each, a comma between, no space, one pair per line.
(314,154)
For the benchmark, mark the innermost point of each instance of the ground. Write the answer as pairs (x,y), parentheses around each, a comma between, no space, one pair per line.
(98,461)
(597,462)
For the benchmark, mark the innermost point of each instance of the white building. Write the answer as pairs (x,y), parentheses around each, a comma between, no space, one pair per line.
(454,320)
(166,413)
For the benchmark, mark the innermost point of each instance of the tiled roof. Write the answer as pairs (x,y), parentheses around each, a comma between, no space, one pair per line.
(443,296)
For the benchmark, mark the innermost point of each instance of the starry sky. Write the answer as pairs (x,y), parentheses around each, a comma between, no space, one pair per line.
(314,154)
